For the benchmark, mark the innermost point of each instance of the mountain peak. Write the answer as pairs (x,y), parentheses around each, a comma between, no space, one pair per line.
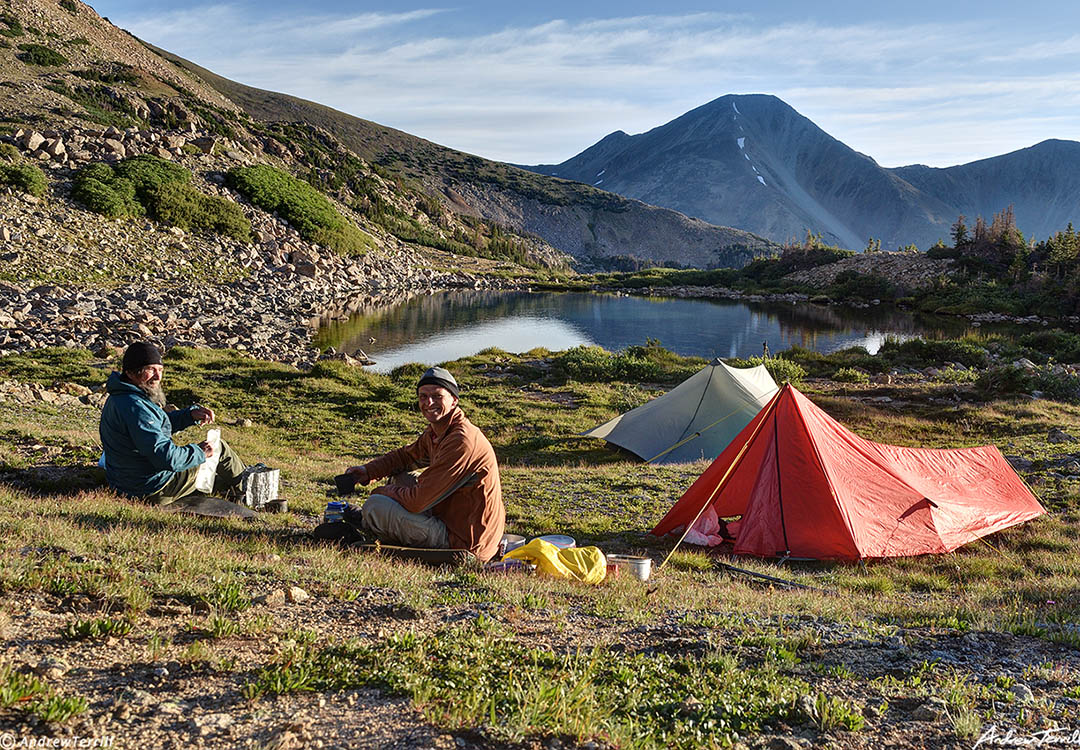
(753,161)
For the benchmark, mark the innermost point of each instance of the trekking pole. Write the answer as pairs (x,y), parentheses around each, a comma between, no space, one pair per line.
(772,579)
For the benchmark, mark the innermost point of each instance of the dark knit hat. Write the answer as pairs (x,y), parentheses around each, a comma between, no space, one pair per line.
(440,377)
(139,355)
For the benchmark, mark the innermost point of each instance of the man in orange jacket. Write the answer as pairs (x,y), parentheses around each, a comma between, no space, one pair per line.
(456,502)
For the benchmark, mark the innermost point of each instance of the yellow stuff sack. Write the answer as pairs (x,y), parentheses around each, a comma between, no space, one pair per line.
(585,564)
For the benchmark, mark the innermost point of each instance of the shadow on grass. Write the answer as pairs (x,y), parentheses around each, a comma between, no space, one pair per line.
(53,480)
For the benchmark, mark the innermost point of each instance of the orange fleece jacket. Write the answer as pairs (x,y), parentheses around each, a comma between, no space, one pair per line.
(450,451)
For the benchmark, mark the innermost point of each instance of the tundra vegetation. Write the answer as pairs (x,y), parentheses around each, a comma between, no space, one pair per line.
(695,657)
(997,269)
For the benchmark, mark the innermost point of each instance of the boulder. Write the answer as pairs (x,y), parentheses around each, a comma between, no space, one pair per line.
(114,146)
(32,140)
(205,144)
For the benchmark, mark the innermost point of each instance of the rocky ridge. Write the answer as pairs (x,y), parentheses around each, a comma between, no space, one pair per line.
(906,269)
(73,278)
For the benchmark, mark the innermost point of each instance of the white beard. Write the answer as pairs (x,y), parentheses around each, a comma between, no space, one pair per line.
(155,393)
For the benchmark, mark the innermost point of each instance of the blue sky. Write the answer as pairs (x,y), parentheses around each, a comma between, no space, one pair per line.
(936,83)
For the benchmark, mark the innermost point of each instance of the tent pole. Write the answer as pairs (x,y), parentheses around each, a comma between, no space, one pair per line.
(686,440)
(723,480)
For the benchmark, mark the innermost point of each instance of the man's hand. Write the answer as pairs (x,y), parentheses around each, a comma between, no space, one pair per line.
(360,473)
(207,449)
(202,415)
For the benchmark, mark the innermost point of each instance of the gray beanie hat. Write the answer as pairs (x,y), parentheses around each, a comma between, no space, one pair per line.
(440,377)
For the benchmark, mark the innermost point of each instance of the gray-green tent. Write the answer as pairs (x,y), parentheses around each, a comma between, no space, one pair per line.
(696,419)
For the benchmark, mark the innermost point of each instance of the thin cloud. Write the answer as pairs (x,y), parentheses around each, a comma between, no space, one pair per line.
(900,93)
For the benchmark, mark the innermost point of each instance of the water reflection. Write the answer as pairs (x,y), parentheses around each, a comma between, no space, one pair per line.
(447,325)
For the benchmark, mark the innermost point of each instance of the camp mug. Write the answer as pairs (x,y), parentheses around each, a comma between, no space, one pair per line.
(346,483)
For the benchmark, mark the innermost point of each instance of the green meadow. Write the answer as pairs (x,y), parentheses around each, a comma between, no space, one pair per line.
(698,656)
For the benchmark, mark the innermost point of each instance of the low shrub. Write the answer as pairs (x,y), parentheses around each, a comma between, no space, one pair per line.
(119,73)
(13,26)
(70,6)
(181,205)
(148,185)
(924,353)
(39,54)
(850,375)
(26,177)
(102,190)
(1062,345)
(850,285)
(782,369)
(593,364)
(956,376)
(148,172)
(304,207)
(1013,380)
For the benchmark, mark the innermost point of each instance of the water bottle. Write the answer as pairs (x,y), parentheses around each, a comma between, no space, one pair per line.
(335,512)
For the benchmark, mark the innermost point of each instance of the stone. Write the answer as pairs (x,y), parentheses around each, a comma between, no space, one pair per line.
(297,595)
(210,723)
(32,140)
(52,669)
(115,147)
(1023,693)
(1057,435)
(932,709)
(205,144)
(309,270)
(273,599)
(74,389)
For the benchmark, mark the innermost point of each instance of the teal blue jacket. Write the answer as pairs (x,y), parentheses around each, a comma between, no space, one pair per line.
(136,435)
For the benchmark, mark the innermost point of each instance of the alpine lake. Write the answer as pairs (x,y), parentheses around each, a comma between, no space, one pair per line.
(444,326)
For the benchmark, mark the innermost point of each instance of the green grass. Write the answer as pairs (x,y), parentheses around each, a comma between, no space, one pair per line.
(477,677)
(23,692)
(104,627)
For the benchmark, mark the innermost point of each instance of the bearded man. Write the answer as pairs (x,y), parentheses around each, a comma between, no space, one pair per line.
(456,501)
(141,459)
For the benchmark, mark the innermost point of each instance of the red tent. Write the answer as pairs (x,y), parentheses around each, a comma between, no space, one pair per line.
(807,487)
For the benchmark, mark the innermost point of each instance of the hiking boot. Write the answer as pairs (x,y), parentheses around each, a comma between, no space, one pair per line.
(342,532)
